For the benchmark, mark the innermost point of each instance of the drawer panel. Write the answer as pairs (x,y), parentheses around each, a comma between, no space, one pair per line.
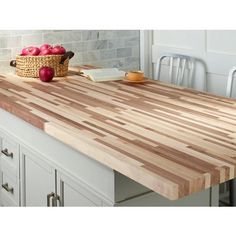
(9,188)
(10,154)
(7,202)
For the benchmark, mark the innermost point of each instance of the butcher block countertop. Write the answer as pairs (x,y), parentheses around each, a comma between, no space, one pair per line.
(173,140)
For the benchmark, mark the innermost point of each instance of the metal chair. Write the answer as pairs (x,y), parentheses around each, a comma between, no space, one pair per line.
(232,183)
(182,64)
(230,82)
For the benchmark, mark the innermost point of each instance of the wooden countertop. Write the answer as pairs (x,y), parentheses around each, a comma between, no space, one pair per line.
(173,140)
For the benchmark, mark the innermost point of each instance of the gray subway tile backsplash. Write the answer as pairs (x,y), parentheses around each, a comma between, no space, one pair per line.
(108,54)
(91,56)
(72,36)
(132,41)
(106,34)
(5,54)
(119,63)
(136,51)
(3,42)
(97,45)
(32,39)
(124,52)
(131,62)
(127,33)
(54,37)
(79,47)
(106,48)
(14,41)
(116,43)
(90,35)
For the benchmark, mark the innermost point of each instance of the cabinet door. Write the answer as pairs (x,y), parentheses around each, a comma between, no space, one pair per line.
(38,179)
(73,193)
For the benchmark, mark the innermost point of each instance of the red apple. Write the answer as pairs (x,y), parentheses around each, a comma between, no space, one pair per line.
(57,50)
(34,51)
(24,52)
(46,51)
(46,74)
(30,51)
(45,46)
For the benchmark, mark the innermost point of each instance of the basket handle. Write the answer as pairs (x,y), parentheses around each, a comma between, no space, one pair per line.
(13,63)
(68,54)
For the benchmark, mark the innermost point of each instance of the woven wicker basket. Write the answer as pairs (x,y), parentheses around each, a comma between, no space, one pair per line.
(28,66)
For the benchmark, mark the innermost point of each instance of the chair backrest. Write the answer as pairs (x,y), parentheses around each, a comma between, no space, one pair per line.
(230,82)
(182,64)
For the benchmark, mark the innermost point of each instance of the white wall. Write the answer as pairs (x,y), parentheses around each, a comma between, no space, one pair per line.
(217,48)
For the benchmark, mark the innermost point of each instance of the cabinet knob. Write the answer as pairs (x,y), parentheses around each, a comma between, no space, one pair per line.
(6,153)
(7,188)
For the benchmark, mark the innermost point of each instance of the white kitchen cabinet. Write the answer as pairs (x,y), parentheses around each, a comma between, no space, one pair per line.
(37,179)
(43,185)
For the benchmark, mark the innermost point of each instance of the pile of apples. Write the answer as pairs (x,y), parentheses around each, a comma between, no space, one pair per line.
(46,74)
(45,49)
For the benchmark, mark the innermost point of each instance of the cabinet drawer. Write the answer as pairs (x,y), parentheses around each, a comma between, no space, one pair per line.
(7,202)
(10,154)
(9,188)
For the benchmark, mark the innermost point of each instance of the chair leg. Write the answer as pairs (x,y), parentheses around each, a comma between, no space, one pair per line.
(232,192)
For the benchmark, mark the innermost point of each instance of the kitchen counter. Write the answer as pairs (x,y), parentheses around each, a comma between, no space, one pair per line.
(173,140)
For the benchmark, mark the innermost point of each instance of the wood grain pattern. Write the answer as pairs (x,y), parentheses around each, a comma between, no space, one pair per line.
(174,140)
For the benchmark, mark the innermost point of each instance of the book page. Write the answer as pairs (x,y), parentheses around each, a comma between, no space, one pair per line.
(107,74)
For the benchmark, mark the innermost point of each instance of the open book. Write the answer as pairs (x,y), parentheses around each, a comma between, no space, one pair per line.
(106,74)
